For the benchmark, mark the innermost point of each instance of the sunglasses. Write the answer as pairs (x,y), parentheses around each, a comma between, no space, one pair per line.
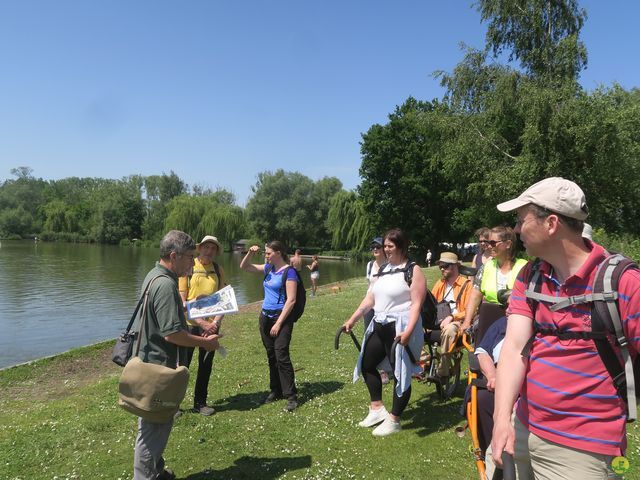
(444,266)
(376,247)
(493,243)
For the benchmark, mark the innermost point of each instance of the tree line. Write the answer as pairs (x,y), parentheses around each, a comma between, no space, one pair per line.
(436,168)
(284,205)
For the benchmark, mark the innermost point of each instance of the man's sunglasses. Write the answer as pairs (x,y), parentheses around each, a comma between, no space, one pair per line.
(444,266)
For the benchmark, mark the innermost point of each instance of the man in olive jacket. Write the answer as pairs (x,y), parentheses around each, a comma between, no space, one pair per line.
(165,332)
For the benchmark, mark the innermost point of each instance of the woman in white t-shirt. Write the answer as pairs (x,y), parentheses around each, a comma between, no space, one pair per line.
(396,303)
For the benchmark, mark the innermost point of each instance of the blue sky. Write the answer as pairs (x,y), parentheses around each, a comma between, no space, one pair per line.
(218,91)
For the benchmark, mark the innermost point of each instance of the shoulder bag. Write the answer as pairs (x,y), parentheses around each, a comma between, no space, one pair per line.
(153,392)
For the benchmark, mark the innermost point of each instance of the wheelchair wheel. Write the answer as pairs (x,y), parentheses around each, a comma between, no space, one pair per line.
(447,386)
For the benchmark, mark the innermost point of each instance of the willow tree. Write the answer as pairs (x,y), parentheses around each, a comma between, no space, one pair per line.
(349,225)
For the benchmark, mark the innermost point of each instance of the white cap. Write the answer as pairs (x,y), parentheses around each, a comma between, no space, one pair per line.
(556,194)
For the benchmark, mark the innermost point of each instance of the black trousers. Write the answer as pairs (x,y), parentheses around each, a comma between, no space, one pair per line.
(281,376)
(486,401)
(377,347)
(205,365)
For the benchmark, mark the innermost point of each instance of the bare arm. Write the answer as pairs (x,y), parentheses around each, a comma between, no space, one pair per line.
(488,370)
(512,368)
(246,264)
(367,304)
(475,298)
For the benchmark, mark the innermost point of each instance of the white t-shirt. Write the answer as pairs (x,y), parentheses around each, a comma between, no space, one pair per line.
(391,292)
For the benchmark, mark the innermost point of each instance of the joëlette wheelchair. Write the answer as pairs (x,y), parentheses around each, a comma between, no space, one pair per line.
(445,386)
(488,313)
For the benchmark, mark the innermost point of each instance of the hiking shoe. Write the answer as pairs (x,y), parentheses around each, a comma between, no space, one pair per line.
(272,397)
(387,427)
(292,404)
(166,475)
(374,417)
(204,410)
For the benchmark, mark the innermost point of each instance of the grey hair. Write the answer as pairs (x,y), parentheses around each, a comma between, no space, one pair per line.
(176,241)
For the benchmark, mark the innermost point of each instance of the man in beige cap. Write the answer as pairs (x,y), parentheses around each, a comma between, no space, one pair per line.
(451,293)
(570,421)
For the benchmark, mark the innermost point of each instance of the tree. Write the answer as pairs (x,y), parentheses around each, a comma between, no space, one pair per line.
(405,182)
(349,225)
(290,207)
(159,190)
(207,215)
(542,34)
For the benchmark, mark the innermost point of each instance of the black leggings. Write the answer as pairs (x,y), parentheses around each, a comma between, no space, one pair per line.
(378,347)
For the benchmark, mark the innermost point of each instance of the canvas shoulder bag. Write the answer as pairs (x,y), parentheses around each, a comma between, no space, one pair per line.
(153,392)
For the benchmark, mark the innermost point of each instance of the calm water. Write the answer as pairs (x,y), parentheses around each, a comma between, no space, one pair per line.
(57,296)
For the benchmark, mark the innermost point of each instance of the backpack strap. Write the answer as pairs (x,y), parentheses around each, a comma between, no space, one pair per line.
(605,316)
(283,292)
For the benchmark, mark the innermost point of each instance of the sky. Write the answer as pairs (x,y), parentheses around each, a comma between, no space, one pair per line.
(218,91)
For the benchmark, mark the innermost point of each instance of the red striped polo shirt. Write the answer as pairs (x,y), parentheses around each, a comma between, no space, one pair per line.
(568,396)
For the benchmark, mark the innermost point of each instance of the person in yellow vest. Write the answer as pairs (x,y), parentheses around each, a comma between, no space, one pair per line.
(207,278)
(496,274)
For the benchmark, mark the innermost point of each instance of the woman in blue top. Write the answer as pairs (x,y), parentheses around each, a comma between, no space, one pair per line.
(275,330)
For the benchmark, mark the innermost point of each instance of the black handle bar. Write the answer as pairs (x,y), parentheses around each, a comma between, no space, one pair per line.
(396,342)
(508,467)
(336,343)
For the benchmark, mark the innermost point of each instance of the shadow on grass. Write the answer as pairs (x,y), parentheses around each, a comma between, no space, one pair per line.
(254,468)
(431,414)
(249,401)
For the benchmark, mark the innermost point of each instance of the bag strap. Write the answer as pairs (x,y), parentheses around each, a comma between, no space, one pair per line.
(462,290)
(605,316)
(135,312)
(143,314)
(283,291)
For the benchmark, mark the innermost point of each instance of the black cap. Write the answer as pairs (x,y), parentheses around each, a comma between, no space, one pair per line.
(377,241)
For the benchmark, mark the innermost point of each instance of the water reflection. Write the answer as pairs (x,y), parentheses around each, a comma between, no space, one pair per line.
(57,296)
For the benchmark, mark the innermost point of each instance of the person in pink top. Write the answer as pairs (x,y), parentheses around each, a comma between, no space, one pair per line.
(570,421)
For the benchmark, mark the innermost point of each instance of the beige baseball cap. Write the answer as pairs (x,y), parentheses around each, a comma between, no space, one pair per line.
(556,194)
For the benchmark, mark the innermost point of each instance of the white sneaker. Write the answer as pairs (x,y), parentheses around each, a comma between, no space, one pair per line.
(374,417)
(387,427)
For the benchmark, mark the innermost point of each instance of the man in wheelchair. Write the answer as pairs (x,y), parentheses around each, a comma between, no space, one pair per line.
(451,293)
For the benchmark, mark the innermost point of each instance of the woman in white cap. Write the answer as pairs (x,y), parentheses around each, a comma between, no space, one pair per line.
(207,278)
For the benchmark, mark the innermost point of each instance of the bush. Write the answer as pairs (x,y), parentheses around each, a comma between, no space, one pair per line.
(625,244)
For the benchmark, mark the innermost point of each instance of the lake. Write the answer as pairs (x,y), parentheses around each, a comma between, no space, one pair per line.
(57,296)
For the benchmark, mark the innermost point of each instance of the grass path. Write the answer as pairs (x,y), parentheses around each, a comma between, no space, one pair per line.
(60,419)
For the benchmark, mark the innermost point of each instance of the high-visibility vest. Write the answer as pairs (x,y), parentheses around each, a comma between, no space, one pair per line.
(489,285)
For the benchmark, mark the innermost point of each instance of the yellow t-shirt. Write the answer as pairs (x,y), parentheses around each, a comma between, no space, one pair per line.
(203,281)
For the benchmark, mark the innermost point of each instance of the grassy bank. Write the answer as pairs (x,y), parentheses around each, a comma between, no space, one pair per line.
(60,419)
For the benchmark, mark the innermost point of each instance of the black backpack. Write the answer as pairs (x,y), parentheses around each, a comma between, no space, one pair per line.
(301,293)
(605,324)
(429,309)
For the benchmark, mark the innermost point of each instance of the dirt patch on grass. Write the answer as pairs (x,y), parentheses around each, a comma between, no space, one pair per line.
(61,376)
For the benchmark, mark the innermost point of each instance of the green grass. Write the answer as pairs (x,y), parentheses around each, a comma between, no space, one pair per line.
(60,419)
